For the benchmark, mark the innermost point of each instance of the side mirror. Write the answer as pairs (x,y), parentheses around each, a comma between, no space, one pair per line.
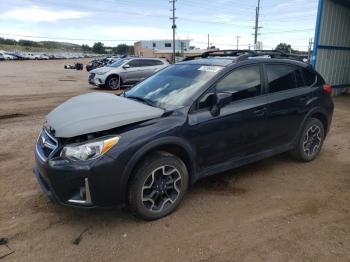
(222,99)
(126,66)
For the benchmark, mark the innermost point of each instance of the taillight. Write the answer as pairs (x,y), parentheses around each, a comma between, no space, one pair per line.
(327,89)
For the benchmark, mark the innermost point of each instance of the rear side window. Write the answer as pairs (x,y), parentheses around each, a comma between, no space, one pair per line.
(136,63)
(281,77)
(310,77)
(154,62)
(299,77)
(242,83)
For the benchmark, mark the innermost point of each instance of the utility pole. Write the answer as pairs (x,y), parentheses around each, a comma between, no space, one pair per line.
(256,28)
(309,50)
(238,37)
(208,42)
(173,26)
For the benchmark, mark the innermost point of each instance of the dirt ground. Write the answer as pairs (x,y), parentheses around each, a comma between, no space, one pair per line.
(273,210)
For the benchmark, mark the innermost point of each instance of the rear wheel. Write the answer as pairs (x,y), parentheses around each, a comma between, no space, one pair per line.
(158,187)
(112,82)
(310,141)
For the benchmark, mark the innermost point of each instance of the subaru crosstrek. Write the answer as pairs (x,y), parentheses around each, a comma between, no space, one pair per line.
(190,120)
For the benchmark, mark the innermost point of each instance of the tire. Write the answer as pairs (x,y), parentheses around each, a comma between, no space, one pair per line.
(112,82)
(158,187)
(310,141)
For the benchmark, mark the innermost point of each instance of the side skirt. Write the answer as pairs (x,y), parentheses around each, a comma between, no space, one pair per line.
(241,161)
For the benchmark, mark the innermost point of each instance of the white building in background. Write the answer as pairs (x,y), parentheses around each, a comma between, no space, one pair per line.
(165,44)
(259,46)
(164,48)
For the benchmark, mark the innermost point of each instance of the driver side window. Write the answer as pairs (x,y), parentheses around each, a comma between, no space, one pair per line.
(242,83)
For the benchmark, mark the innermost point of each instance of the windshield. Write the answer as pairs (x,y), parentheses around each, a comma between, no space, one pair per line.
(174,86)
(118,63)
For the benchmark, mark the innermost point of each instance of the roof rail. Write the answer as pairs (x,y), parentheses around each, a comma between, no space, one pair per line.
(247,54)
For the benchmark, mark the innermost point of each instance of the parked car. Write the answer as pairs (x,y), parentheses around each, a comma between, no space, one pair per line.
(188,121)
(97,63)
(17,56)
(32,56)
(7,56)
(2,58)
(43,57)
(126,71)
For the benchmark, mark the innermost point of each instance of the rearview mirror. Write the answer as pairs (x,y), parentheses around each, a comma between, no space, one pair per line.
(222,99)
(126,66)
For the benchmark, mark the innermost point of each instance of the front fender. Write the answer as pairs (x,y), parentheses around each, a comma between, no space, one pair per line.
(163,141)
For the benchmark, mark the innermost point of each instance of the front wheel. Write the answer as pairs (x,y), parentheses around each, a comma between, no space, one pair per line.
(113,82)
(310,141)
(159,185)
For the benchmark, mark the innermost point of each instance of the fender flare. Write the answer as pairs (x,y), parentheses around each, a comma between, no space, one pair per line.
(313,111)
(117,75)
(164,141)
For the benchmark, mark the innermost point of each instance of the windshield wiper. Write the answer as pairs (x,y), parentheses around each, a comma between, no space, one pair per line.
(143,100)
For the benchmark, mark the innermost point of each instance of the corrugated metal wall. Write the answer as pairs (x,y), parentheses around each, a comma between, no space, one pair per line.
(333,49)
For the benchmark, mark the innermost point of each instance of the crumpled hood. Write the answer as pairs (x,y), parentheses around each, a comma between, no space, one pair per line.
(95,112)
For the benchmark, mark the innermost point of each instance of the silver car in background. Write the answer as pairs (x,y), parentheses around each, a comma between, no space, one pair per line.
(125,71)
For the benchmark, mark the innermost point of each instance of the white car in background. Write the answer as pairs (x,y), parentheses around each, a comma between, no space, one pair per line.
(127,71)
(32,56)
(44,57)
(7,56)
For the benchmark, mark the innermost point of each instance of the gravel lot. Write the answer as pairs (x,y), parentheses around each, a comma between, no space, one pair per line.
(273,210)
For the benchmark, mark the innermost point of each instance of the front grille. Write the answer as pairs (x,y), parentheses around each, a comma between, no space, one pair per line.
(47,143)
(91,75)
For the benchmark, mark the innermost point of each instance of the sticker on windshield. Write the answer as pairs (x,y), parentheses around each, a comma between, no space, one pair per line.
(213,69)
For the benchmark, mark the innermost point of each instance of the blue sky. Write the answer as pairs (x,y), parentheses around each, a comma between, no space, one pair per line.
(123,21)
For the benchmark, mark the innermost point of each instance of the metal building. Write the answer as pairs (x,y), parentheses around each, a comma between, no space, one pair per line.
(331,53)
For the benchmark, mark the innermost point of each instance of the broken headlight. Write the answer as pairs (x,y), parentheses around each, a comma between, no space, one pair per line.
(89,151)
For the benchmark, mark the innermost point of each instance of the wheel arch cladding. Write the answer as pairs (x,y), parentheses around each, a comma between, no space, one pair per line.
(174,146)
(322,117)
(115,75)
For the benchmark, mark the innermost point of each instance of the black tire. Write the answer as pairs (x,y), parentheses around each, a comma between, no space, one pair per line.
(112,82)
(310,141)
(159,185)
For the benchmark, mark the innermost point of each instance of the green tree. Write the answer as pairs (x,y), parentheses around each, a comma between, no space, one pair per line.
(123,49)
(284,48)
(85,48)
(98,48)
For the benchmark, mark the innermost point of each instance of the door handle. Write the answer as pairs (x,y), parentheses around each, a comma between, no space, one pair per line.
(260,112)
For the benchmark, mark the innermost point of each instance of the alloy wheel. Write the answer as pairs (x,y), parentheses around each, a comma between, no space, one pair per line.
(113,83)
(161,188)
(312,140)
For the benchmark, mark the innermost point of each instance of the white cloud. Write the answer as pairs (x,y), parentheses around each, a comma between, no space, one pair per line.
(38,14)
(133,32)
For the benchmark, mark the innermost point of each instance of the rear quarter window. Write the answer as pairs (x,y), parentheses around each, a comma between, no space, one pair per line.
(281,77)
(310,77)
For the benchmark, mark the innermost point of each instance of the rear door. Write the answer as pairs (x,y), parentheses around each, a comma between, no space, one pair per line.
(289,99)
(153,65)
(137,70)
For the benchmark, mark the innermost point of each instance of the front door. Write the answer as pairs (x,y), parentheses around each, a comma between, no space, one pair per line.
(239,130)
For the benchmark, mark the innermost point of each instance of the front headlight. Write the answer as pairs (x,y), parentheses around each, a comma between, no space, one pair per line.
(89,151)
(101,72)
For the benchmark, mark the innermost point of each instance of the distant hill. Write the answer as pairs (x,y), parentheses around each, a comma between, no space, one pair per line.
(39,46)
